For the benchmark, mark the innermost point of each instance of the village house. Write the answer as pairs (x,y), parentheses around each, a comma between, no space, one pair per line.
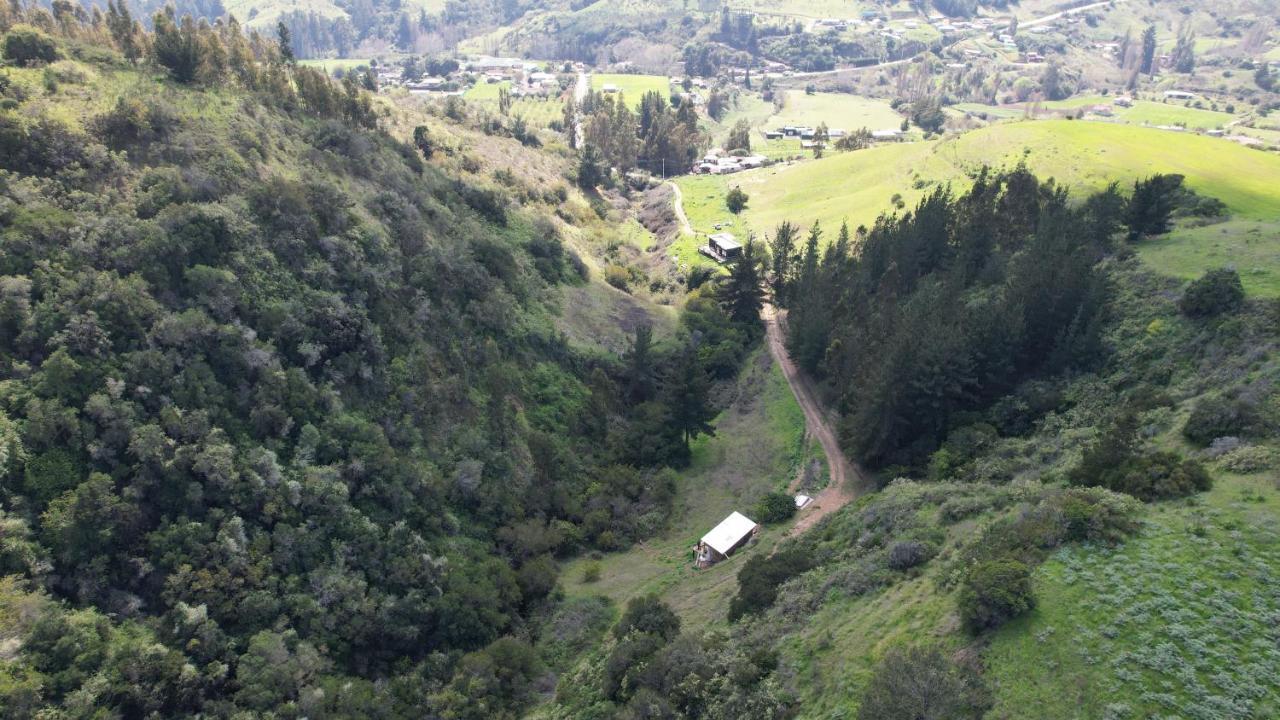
(724,539)
(1179,95)
(721,247)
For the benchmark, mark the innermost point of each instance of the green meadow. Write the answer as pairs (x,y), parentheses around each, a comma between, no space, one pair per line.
(837,110)
(1085,156)
(633,87)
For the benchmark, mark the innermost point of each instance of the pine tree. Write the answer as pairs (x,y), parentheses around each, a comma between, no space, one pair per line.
(1147,66)
(688,395)
(284,43)
(640,373)
(741,293)
(782,250)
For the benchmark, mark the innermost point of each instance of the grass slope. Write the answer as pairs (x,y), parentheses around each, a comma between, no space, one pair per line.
(1176,623)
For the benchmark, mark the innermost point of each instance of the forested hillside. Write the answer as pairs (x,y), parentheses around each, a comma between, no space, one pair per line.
(287,427)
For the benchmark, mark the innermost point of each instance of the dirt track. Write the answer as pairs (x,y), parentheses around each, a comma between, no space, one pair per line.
(847,481)
(678,203)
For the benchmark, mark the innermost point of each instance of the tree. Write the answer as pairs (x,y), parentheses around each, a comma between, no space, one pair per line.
(504,101)
(1214,293)
(26,45)
(1051,83)
(739,136)
(124,30)
(284,43)
(994,592)
(1147,64)
(591,169)
(781,253)
(177,47)
(927,114)
(1263,78)
(641,372)
(736,200)
(422,141)
(742,292)
(1151,206)
(1123,50)
(775,507)
(687,395)
(1183,57)
(648,615)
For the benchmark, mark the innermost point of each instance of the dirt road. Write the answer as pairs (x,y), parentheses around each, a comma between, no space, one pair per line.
(847,481)
(677,201)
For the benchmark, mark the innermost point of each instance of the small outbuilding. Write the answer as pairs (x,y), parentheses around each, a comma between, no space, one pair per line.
(724,539)
(722,247)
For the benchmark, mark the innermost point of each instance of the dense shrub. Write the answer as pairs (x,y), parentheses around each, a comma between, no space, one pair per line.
(26,45)
(775,507)
(922,684)
(1152,204)
(1095,515)
(648,615)
(759,578)
(907,554)
(1214,293)
(993,592)
(1157,476)
(1216,417)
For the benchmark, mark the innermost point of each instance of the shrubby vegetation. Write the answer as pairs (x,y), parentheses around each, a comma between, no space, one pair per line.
(284,427)
(1215,293)
(920,682)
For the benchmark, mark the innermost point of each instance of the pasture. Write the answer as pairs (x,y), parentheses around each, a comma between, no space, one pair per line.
(1085,156)
(633,87)
(837,110)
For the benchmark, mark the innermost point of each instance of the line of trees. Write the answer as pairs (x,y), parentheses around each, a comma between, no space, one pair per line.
(947,308)
(657,137)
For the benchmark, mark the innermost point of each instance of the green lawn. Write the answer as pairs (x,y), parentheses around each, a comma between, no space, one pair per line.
(1178,622)
(758,447)
(837,110)
(1252,247)
(633,87)
(704,206)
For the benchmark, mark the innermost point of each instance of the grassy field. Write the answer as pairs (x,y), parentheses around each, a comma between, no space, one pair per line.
(1178,622)
(837,110)
(486,90)
(705,208)
(633,87)
(1249,246)
(1156,113)
(758,447)
(1086,156)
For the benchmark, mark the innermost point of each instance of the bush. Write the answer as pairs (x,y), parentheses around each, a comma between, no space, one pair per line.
(1217,417)
(650,616)
(775,507)
(736,200)
(759,578)
(921,683)
(1157,476)
(994,592)
(591,572)
(26,45)
(907,554)
(1214,293)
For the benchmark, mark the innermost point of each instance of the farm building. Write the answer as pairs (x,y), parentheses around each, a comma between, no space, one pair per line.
(1179,95)
(609,88)
(772,134)
(732,533)
(721,247)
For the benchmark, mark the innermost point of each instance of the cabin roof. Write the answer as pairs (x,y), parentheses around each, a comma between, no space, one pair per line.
(731,531)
